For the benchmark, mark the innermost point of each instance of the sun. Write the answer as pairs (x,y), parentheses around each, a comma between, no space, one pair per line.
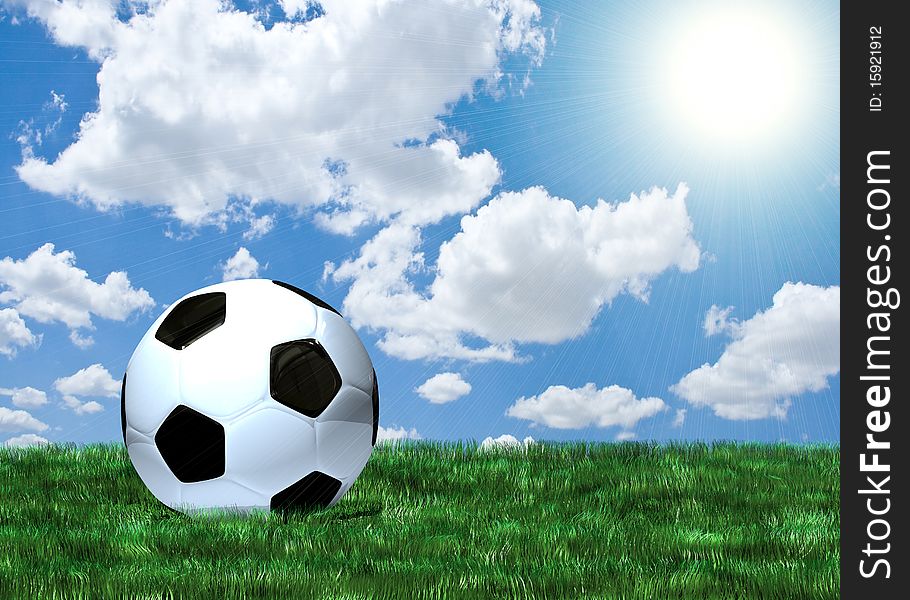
(731,76)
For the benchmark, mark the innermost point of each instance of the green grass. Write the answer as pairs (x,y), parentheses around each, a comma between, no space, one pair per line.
(443,521)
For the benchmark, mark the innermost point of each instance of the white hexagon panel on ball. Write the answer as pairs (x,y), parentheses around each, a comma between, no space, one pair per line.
(248,395)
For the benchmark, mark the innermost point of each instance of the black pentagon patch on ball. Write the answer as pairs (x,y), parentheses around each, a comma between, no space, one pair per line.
(123,407)
(375,407)
(192,319)
(192,445)
(316,490)
(317,301)
(303,376)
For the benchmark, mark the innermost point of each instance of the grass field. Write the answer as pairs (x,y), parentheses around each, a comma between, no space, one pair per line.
(442,521)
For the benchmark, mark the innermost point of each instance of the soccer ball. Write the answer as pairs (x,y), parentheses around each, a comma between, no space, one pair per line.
(246,395)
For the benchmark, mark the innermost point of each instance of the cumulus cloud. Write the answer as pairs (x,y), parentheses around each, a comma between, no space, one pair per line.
(679,418)
(505,441)
(82,408)
(444,387)
(34,131)
(389,434)
(561,407)
(92,381)
(89,23)
(26,439)
(786,350)
(259,226)
(14,333)
(81,341)
(339,115)
(27,397)
(199,103)
(625,436)
(503,278)
(717,320)
(49,287)
(240,266)
(19,420)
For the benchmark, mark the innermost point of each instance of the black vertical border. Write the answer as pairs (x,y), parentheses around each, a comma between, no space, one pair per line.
(863,131)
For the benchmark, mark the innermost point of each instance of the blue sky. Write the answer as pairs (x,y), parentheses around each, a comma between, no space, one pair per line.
(419,127)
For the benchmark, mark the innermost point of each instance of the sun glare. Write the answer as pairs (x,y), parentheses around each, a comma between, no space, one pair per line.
(732,76)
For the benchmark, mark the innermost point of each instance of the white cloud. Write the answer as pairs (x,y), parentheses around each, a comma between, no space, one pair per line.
(505,441)
(788,349)
(89,23)
(34,131)
(57,103)
(502,279)
(625,436)
(567,408)
(199,103)
(259,226)
(679,418)
(444,387)
(26,439)
(387,434)
(339,115)
(18,420)
(89,407)
(82,408)
(81,341)
(717,320)
(27,397)
(48,287)
(240,266)
(14,333)
(93,380)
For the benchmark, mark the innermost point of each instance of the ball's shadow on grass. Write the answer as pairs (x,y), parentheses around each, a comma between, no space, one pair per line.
(283,515)
(334,514)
